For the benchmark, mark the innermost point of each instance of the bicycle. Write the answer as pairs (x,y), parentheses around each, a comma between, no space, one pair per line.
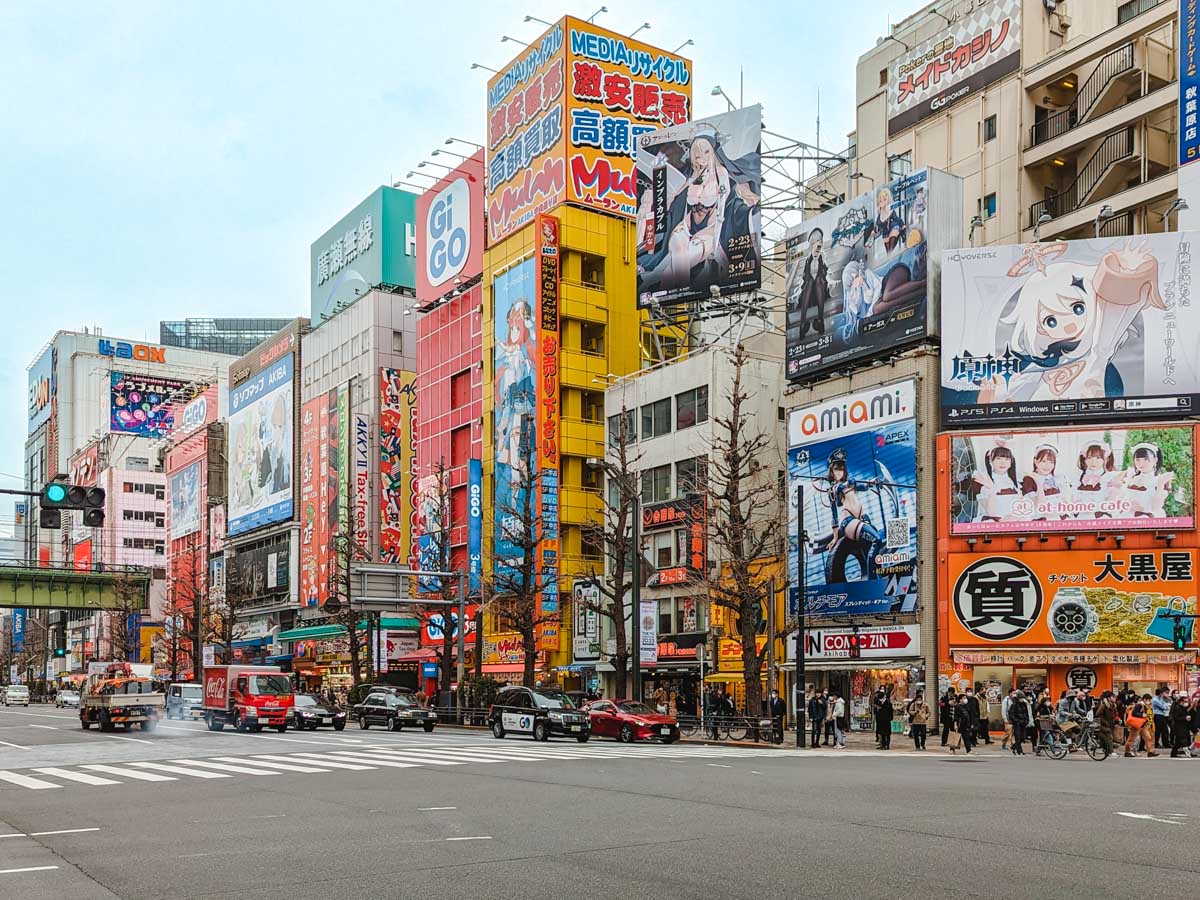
(1056,743)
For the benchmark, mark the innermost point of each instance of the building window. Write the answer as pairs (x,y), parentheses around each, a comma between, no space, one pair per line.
(591,269)
(666,612)
(989,206)
(593,406)
(397,341)
(591,338)
(615,435)
(883,78)
(900,165)
(592,478)
(691,407)
(160,492)
(662,550)
(460,389)
(656,484)
(460,446)
(591,546)
(458,507)
(691,476)
(989,129)
(656,418)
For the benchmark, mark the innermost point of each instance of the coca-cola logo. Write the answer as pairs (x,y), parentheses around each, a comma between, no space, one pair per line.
(214,688)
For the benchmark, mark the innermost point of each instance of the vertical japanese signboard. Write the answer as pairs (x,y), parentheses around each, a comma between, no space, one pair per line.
(548,417)
(361,473)
(1189,84)
(475,524)
(397,398)
(314,539)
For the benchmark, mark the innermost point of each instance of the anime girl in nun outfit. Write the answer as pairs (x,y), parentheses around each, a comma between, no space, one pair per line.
(1070,318)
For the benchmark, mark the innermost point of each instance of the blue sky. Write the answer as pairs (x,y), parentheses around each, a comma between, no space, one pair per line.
(164,160)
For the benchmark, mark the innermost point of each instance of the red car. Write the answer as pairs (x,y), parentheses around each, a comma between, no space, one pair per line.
(631,720)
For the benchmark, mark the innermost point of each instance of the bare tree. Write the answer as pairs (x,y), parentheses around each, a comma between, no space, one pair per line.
(447,589)
(742,499)
(615,534)
(123,636)
(340,607)
(185,600)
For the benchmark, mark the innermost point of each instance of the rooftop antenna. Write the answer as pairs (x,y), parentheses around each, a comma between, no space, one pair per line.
(818,115)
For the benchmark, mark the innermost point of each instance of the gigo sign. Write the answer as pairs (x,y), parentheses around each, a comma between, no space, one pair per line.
(448,223)
(124,350)
(450,231)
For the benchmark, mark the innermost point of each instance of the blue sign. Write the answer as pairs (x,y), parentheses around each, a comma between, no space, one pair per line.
(260,448)
(1189,84)
(475,523)
(429,670)
(18,630)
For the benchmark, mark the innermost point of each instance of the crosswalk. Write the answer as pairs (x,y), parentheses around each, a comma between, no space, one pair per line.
(365,758)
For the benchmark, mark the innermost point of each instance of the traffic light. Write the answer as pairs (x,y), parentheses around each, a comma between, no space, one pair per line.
(58,495)
(855,645)
(60,652)
(1179,635)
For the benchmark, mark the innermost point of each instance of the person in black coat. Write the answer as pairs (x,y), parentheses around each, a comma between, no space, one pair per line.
(884,713)
(965,723)
(946,713)
(1019,716)
(1181,717)
(777,710)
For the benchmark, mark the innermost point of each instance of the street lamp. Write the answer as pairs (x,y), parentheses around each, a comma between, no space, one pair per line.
(423,163)
(976,222)
(688,43)
(602,9)
(1043,219)
(505,37)
(536,19)
(486,68)
(415,187)
(1105,213)
(1180,205)
(717,92)
(641,27)
(454,140)
(449,153)
(422,174)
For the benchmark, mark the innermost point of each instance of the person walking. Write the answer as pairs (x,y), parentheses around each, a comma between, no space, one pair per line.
(946,713)
(837,715)
(1137,724)
(1005,704)
(1106,721)
(1043,709)
(818,709)
(984,722)
(884,713)
(829,736)
(1181,718)
(1161,707)
(918,720)
(1019,714)
(965,722)
(778,711)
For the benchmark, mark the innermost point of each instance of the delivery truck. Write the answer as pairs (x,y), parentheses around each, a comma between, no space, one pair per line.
(248,698)
(120,693)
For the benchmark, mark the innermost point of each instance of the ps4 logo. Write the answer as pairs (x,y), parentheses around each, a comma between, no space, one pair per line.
(448,225)
(123,350)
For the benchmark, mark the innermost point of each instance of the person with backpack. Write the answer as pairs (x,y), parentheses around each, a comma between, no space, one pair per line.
(1019,715)
(946,713)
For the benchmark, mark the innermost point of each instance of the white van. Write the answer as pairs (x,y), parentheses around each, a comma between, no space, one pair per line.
(16,694)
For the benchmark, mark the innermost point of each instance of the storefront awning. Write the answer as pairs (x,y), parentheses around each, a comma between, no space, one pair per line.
(728,678)
(504,669)
(1067,657)
(423,655)
(317,632)
(252,642)
(852,665)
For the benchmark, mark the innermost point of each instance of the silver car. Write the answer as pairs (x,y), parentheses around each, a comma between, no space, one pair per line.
(67,698)
(16,695)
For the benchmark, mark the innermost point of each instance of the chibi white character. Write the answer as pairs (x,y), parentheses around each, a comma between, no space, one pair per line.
(1070,318)
(1097,481)
(1146,485)
(861,287)
(998,485)
(1042,485)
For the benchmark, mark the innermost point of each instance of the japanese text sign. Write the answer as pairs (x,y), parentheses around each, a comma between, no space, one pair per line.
(1189,83)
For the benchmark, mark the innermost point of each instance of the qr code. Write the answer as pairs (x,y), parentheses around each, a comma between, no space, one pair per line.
(897,533)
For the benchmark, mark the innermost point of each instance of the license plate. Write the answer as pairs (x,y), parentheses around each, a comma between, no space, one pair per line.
(665,729)
(577,728)
(326,720)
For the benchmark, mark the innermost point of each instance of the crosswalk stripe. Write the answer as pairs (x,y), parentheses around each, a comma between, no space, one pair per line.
(25,781)
(225,767)
(317,759)
(272,765)
(128,773)
(373,760)
(178,770)
(408,757)
(81,777)
(508,755)
(443,757)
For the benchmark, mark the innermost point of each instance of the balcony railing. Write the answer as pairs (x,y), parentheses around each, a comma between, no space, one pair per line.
(1118,226)
(1115,63)
(1114,148)
(1127,11)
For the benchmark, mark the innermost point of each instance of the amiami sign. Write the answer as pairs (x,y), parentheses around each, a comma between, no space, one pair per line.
(853,413)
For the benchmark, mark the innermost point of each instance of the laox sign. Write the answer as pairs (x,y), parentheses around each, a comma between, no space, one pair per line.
(123,350)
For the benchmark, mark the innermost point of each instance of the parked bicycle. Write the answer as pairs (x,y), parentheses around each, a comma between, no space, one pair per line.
(1056,743)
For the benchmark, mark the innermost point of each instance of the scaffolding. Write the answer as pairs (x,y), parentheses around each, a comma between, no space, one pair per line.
(235,337)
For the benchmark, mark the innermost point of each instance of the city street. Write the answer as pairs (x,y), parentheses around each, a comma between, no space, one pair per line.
(184,812)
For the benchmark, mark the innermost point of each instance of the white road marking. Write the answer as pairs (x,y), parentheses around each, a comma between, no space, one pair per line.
(47,727)
(273,765)
(420,809)
(27,869)
(14,834)
(128,773)
(81,777)
(396,754)
(178,770)
(14,746)
(62,831)
(324,761)
(718,766)
(117,737)
(39,715)
(371,760)
(224,767)
(1149,818)
(25,781)
(481,837)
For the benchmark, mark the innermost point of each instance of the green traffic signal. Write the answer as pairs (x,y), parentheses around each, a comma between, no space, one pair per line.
(56,493)
(1179,635)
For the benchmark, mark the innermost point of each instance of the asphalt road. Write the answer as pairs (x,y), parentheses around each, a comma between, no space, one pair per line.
(186,813)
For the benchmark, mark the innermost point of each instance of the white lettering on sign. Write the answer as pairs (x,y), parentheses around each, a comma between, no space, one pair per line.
(345,249)
(448,227)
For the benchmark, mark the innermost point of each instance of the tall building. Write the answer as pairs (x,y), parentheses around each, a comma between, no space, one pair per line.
(235,337)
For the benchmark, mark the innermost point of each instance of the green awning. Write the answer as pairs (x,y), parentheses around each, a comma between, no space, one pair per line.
(319,632)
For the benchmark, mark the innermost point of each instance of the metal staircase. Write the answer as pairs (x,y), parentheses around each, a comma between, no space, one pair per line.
(1115,148)
(1111,67)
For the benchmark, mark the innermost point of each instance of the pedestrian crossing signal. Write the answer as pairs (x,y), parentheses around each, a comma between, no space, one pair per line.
(855,645)
(1179,636)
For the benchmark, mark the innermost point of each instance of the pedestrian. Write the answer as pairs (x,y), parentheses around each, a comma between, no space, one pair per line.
(1043,710)
(1137,724)
(1161,707)
(712,710)
(1019,714)
(1005,704)
(984,722)
(818,709)
(837,715)
(1181,718)
(918,720)
(965,721)
(1127,697)
(973,709)
(778,711)
(1065,712)
(1106,721)
(884,713)
(946,713)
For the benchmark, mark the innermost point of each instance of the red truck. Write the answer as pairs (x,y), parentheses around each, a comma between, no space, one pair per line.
(248,698)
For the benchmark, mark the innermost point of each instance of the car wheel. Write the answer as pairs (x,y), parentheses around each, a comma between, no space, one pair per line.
(582,738)
(498,729)
(541,731)
(282,728)
(394,724)
(84,723)
(106,723)
(339,726)
(362,723)
(627,735)
(428,726)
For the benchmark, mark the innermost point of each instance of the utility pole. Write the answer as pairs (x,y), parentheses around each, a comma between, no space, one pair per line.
(635,659)
(801,700)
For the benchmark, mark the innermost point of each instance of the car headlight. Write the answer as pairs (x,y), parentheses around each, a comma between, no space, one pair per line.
(556,717)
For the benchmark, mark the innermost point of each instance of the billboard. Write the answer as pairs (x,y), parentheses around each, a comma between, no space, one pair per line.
(315,554)
(429,528)
(374,244)
(855,458)
(143,405)
(564,119)
(1072,480)
(184,489)
(43,386)
(548,421)
(449,220)
(980,48)
(195,413)
(699,224)
(260,448)
(85,465)
(1078,597)
(18,629)
(397,441)
(516,382)
(1070,330)
(687,517)
(858,279)
(254,573)
(586,632)
(360,472)
(475,525)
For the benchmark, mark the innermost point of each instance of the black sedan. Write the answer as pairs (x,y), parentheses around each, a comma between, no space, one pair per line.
(311,711)
(393,711)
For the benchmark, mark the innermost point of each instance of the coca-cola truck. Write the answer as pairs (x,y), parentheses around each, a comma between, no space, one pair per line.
(248,698)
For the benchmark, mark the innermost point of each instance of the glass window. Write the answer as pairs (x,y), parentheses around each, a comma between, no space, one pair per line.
(691,476)
(989,128)
(615,435)
(665,616)
(591,338)
(591,269)
(656,418)
(662,545)
(656,484)
(900,165)
(691,407)
(460,389)
(989,206)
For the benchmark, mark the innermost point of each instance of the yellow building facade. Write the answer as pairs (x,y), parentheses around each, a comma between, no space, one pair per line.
(599,326)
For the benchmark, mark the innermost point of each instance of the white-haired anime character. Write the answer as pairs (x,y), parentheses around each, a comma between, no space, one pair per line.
(861,287)
(1070,317)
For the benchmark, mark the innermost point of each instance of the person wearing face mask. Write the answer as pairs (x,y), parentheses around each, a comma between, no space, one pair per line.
(918,720)
(778,710)
(965,722)
(1181,717)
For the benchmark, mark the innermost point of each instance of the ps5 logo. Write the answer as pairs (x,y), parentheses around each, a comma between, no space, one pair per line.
(448,225)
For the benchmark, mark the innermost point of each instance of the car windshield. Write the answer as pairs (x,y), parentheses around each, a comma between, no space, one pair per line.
(274,685)
(636,708)
(17,689)
(552,700)
(192,692)
(403,700)
(306,700)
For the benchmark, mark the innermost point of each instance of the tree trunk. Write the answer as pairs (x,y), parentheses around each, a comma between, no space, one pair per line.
(529,644)
(751,666)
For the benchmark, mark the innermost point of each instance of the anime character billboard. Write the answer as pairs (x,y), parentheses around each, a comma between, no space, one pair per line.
(1078,330)
(1072,480)
(858,276)
(185,500)
(516,404)
(260,448)
(143,405)
(699,224)
(852,471)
